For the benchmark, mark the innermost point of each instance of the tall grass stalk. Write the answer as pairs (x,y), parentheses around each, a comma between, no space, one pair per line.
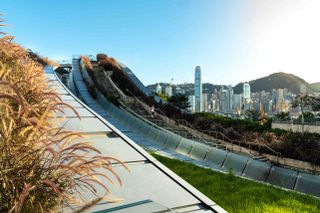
(42,166)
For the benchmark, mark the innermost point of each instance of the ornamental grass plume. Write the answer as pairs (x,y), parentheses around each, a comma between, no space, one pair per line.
(86,62)
(108,63)
(43,167)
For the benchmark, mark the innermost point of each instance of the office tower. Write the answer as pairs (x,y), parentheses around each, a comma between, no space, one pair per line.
(246,91)
(246,97)
(229,99)
(237,103)
(158,89)
(198,90)
(168,91)
(177,90)
(274,98)
(205,102)
(191,100)
(223,100)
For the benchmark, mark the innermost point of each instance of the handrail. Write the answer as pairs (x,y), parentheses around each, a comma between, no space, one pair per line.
(297,122)
(107,74)
(195,131)
(227,139)
(278,154)
(169,121)
(161,114)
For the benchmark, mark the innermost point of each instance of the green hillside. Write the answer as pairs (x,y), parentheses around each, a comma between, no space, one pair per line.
(276,81)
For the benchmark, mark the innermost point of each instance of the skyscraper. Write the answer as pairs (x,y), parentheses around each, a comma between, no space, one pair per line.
(192,102)
(246,96)
(158,88)
(204,102)
(198,89)
(246,91)
(168,90)
(223,93)
(229,98)
(237,103)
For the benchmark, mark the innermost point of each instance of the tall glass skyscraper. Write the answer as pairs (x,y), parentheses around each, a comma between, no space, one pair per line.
(198,90)
(246,96)
(246,90)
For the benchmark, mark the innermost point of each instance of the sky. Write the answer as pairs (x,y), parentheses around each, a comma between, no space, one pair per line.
(232,40)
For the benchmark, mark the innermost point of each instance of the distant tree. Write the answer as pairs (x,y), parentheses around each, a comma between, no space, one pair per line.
(316,104)
(101,56)
(262,115)
(252,115)
(305,102)
(308,116)
(179,100)
(162,96)
(283,116)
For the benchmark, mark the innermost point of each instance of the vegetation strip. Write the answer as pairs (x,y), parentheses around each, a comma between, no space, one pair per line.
(239,195)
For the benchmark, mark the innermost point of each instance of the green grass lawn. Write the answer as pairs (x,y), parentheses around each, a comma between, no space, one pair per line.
(235,194)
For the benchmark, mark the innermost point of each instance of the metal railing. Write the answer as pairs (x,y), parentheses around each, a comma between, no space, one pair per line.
(204,136)
(311,122)
(246,144)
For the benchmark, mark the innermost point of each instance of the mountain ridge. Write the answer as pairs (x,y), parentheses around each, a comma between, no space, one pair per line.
(278,80)
(268,83)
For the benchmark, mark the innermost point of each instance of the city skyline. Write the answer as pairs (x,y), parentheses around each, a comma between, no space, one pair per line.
(247,40)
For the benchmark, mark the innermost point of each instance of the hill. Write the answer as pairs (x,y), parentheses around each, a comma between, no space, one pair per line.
(268,83)
(316,86)
(276,81)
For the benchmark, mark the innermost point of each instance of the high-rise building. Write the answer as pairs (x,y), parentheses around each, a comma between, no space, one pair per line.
(246,91)
(198,90)
(205,102)
(168,90)
(158,88)
(237,103)
(214,102)
(191,100)
(246,96)
(229,99)
(274,99)
(223,100)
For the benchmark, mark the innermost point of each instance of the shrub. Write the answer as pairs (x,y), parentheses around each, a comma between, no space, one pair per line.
(283,116)
(118,76)
(86,62)
(108,63)
(44,61)
(301,146)
(101,56)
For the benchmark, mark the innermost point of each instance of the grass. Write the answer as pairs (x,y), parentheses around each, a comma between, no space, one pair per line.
(235,194)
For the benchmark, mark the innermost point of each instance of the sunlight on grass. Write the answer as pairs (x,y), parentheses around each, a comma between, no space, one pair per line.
(235,194)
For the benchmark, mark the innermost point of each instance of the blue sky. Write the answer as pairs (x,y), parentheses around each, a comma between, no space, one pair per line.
(231,40)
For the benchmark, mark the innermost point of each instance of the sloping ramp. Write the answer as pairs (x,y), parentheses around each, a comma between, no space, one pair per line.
(150,186)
